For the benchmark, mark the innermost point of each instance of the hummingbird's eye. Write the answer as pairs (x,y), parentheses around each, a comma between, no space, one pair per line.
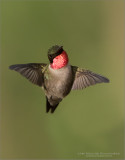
(50,56)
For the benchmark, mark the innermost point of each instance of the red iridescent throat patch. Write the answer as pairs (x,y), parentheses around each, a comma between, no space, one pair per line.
(60,61)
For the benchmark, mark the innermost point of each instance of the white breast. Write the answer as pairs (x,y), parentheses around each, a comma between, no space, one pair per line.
(63,73)
(59,77)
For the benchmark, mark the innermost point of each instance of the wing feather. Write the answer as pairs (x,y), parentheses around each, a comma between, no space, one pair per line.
(32,71)
(84,78)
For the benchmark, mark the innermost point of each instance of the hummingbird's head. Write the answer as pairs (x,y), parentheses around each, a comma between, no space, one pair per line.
(57,56)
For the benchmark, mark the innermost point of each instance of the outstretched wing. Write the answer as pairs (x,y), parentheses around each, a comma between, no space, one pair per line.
(32,71)
(84,78)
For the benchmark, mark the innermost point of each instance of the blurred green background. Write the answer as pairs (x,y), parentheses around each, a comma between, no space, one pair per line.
(88,121)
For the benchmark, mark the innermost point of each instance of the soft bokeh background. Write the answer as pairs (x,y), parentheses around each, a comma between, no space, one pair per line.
(88,121)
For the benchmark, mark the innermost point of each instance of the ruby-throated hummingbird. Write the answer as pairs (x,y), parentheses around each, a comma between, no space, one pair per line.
(59,77)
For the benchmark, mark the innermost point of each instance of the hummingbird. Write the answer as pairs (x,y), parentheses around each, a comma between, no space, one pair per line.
(58,78)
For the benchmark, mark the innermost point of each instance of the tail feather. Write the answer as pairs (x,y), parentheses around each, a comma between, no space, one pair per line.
(50,107)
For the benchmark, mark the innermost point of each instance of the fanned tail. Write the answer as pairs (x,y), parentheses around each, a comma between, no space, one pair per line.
(50,107)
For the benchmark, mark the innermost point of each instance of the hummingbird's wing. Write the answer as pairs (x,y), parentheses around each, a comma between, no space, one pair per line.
(33,71)
(84,78)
